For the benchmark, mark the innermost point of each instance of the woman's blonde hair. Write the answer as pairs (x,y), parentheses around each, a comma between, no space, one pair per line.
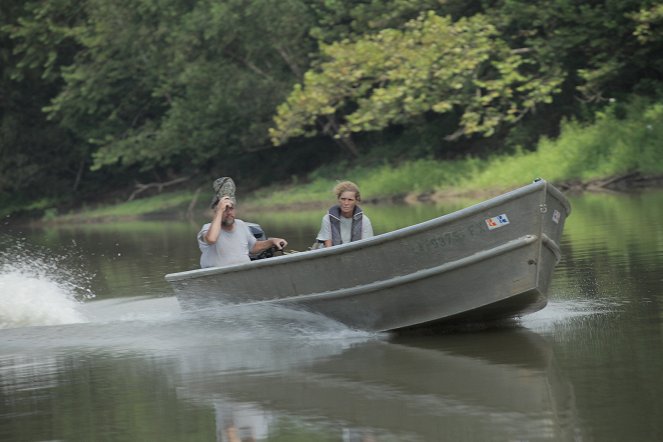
(347,186)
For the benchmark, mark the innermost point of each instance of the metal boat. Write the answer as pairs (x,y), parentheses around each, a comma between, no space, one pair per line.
(490,261)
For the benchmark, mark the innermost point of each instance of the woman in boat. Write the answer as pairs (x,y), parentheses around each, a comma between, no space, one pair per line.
(345,221)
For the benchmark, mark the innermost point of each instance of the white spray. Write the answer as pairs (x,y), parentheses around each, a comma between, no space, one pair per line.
(36,288)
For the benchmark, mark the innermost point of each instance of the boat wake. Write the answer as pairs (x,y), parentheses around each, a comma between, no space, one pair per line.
(563,312)
(41,288)
(268,321)
(38,288)
(29,300)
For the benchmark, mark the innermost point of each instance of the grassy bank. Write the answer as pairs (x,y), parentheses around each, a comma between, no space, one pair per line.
(626,138)
(166,204)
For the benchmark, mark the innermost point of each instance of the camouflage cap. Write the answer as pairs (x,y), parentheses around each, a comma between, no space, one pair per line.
(224,186)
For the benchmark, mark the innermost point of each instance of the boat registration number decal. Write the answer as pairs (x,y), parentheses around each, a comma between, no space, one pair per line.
(497,221)
(450,238)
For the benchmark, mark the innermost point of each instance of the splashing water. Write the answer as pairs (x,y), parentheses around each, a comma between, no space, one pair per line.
(28,301)
(37,289)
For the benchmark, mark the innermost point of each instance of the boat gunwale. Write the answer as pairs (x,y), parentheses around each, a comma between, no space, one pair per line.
(466,212)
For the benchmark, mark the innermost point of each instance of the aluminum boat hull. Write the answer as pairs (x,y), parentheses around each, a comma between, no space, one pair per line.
(490,261)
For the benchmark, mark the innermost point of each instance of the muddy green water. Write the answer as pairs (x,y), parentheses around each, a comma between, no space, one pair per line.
(93,345)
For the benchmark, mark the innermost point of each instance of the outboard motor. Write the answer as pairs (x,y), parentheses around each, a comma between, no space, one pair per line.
(257,231)
(259,234)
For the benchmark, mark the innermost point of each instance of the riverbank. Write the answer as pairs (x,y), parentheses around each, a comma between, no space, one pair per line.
(193,204)
(631,182)
(618,151)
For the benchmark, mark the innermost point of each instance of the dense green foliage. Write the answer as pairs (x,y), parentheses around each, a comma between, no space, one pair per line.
(433,65)
(97,95)
(625,138)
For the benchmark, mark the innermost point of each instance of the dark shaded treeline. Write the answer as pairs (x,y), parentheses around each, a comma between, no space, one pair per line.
(98,95)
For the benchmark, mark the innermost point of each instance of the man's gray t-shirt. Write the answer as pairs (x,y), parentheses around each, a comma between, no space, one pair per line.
(231,248)
(346,229)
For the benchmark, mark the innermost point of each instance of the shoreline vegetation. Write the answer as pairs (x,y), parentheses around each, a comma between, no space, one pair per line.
(619,151)
(187,205)
(122,113)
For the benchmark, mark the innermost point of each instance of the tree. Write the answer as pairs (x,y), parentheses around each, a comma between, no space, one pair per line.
(164,83)
(38,159)
(595,43)
(233,62)
(151,82)
(432,65)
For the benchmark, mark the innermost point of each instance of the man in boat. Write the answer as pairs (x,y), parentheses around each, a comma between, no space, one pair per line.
(345,222)
(227,240)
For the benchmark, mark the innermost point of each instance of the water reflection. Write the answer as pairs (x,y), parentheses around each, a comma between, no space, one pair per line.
(117,376)
(275,374)
(127,364)
(502,384)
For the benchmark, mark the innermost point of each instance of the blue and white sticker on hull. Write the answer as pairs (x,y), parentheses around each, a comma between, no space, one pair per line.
(497,221)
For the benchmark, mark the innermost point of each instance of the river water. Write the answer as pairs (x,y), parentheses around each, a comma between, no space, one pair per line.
(94,346)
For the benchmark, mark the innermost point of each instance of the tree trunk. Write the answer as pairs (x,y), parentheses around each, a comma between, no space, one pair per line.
(344,141)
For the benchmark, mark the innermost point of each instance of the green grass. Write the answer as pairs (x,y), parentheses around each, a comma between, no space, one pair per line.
(160,203)
(623,138)
(383,181)
(608,147)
